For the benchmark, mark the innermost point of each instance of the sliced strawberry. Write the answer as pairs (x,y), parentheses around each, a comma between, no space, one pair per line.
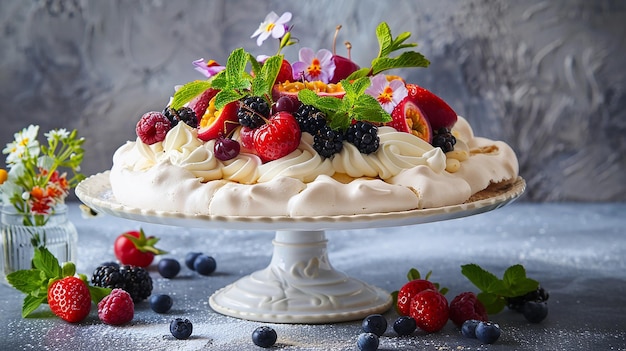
(218,122)
(200,103)
(438,112)
(430,310)
(408,117)
(69,299)
(409,290)
(278,137)
(466,306)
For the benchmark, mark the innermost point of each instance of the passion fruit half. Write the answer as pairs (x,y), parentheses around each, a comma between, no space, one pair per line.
(291,89)
(216,122)
(408,117)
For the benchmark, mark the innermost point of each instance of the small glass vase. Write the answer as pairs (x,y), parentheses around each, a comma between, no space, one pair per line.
(58,235)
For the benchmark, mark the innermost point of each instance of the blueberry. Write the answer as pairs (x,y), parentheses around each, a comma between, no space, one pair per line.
(404,325)
(367,342)
(204,265)
(264,336)
(487,332)
(169,267)
(161,303)
(375,323)
(181,328)
(535,312)
(190,258)
(468,329)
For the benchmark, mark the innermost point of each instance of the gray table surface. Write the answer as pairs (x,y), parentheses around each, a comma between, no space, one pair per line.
(577,251)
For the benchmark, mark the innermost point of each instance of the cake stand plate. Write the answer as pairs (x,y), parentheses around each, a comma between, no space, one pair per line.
(299,285)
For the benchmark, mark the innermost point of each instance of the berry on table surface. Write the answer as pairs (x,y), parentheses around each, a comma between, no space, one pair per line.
(487,332)
(404,325)
(467,306)
(181,328)
(264,336)
(190,258)
(204,265)
(410,289)
(135,280)
(468,329)
(69,299)
(116,308)
(374,323)
(367,342)
(161,303)
(152,127)
(168,267)
(135,248)
(517,303)
(430,309)
(535,312)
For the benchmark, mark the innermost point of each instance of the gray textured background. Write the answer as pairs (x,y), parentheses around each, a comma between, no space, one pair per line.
(547,77)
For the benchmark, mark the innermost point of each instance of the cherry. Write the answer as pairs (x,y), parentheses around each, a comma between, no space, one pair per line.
(226,149)
(343,66)
(286,104)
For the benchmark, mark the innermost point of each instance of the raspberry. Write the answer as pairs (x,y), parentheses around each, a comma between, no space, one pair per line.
(466,306)
(116,308)
(429,308)
(152,127)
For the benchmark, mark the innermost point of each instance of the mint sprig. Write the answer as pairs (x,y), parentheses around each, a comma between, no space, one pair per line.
(46,270)
(354,106)
(495,291)
(387,45)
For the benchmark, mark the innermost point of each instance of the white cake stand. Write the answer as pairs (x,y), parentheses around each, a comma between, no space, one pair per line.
(299,285)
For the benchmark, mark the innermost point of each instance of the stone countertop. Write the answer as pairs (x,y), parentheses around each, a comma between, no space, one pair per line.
(576,251)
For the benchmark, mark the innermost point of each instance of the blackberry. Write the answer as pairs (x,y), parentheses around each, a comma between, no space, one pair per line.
(364,136)
(252,111)
(517,303)
(444,139)
(328,142)
(310,119)
(134,280)
(184,114)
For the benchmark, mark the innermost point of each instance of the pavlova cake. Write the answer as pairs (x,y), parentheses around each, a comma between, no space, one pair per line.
(322,136)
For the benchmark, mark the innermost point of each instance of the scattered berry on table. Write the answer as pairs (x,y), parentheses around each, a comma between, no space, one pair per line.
(135,248)
(226,148)
(517,303)
(328,142)
(204,265)
(116,308)
(168,267)
(487,332)
(374,323)
(467,306)
(264,336)
(367,342)
(535,312)
(161,303)
(310,119)
(410,289)
(468,329)
(430,309)
(152,127)
(135,280)
(69,299)
(190,258)
(404,325)
(364,136)
(252,111)
(183,114)
(181,328)
(444,139)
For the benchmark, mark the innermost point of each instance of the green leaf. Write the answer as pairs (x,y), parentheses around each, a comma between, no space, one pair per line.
(46,262)
(522,287)
(307,97)
(256,66)
(492,302)
(405,60)
(328,103)
(270,70)
(363,72)
(68,270)
(26,281)
(97,293)
(367,108)
(478,276)
(226,96)
(31,303)
(235,66)
(383,34)
(189,91)
(413,274)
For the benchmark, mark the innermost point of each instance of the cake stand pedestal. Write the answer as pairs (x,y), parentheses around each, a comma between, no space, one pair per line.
(300,286)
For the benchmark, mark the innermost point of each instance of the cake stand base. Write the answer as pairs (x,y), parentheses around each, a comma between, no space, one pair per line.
(300,286)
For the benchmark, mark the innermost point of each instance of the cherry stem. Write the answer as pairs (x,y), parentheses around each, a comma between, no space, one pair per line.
(349,47)
(337,29)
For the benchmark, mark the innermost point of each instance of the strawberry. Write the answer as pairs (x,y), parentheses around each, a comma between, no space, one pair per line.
(429,308)
(409,290)
(285,73)
(200,103)
(246,139)
(278,137)
(69,299)
(135,249)
(116,308)
(437,112)
(467,306)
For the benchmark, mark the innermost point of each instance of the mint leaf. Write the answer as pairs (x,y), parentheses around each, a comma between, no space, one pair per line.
(31,303)
(478,276)
(97,293)
(405,60)
(363,72)
(225,97)
(383,34)
(46,262)
(26,281)
(493,303)
(366,108)
(188,92)
(235,68)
